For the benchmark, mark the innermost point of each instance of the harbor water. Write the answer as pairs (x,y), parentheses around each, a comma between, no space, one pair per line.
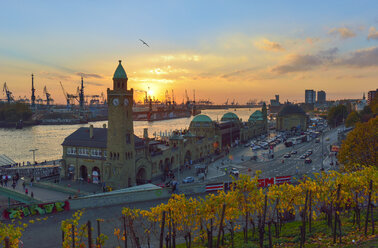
(17,143)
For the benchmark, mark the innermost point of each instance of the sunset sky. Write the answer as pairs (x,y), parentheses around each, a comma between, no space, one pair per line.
(223,49)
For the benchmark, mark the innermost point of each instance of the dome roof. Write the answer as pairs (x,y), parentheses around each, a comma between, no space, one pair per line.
(256,116)
(201,118)
(230,117)
(120,72)
(291,109)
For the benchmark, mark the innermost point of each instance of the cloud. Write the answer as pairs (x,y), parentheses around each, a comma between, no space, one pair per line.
(88,75)
(297,62)
(361,58)
(238,73)
(344,32)
(312,40)
(54,75)
(269,45)
(94,83)
(328,54)
(373,34)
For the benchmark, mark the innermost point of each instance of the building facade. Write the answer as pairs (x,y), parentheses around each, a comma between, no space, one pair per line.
(321,97)
(310,96)
(117,157)
(291,117)
(371,95)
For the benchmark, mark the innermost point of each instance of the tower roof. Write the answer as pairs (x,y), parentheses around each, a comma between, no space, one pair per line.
(120,72)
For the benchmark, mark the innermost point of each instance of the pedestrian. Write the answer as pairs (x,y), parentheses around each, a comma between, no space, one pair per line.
(31,182)
(26,191)
(23,185)
(14,185)
(32,195)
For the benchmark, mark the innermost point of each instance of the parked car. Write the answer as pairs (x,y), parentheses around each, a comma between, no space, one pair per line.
(308,161)
(309,151)
(234,172)
(255,148)
(303,156)
(294,152)
(287,155)
(188,180)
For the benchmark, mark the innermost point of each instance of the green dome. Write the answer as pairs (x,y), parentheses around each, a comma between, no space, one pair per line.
(201,118)
(256,116)
(230,117)
(120,72)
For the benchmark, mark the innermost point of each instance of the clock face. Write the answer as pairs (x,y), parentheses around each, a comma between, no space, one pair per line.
(115,101)
(126,102)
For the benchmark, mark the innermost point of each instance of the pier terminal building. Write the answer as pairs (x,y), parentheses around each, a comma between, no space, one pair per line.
(116,156)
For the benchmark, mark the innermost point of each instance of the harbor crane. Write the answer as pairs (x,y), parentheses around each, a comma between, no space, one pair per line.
(8,93)
(167,98)
(48,97)
(70,98)
(226,103)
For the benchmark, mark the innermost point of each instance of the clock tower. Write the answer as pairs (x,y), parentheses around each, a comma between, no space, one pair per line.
(120,171)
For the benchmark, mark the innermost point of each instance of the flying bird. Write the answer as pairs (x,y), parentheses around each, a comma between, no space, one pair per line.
(144,43)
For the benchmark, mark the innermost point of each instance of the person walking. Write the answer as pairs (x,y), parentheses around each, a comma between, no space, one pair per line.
(32,195)
(23,185)
(26,191)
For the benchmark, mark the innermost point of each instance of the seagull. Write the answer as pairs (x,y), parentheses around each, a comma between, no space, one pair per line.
(144,43)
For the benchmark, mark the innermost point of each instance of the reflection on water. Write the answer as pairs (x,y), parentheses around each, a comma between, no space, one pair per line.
(16,143)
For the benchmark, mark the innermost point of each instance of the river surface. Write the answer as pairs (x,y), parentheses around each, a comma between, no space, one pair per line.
(16,143)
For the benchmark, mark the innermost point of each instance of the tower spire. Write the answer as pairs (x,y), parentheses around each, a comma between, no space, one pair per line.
(33,90)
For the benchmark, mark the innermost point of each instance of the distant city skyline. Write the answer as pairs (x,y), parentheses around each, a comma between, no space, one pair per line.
(243,50)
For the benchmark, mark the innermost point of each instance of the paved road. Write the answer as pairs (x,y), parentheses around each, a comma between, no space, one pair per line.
(291,166)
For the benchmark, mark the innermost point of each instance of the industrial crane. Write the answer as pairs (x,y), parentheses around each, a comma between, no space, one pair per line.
(8,93)
(167,98)
(226,103)
(70,98)
(48,97)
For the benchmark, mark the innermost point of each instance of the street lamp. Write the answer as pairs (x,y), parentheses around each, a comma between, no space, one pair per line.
(33,150)
(322,156)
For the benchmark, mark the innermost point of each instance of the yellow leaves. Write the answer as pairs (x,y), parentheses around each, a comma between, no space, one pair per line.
(31,221)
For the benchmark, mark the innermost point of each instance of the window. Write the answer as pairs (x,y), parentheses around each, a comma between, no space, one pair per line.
(104,153)
(83,152)
(95,153)
(128,139)
(71,150)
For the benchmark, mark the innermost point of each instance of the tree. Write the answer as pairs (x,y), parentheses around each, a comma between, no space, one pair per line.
(337,115)
(352,119)
(360,147)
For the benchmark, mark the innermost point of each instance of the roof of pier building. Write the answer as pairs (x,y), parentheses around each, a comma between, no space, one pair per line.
(291,109)
(202,118)
(256,116)
(81,138)
(229,117)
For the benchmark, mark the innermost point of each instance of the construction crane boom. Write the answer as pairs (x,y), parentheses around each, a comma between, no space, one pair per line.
(8,93)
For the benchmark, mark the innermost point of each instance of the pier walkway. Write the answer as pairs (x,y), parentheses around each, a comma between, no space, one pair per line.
(41,194)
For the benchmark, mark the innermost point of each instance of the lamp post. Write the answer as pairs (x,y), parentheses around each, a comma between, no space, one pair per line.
(33,150)
(322,169)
